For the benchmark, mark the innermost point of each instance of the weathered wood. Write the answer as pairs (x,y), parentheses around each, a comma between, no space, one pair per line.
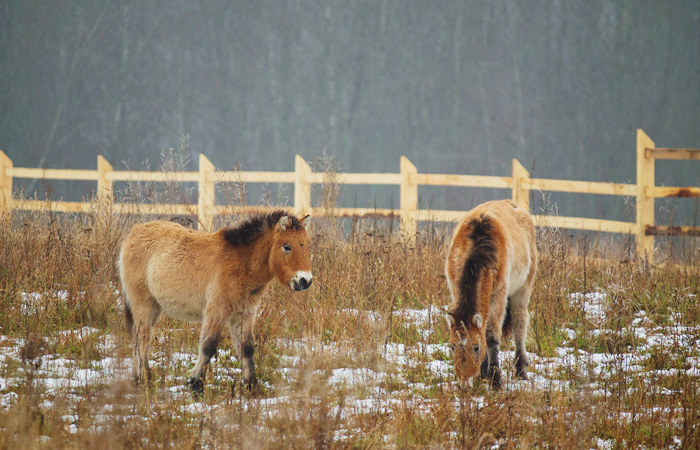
(584,187)
(521,185)
(302,186)
(661,230)
(163,210)
(5,183)
(125,175)
(583,223)
(645,202)
(408,179)
(255,177)
(674,192)
(46,205)
(356,212)
(105,187)
(237,210)
(206,194)
(368,178)
(440,215)
(426,179)
(408,193)
(672,153)
(54,174)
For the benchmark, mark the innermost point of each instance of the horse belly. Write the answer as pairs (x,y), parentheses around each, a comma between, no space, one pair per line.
(518,272)
(178,293)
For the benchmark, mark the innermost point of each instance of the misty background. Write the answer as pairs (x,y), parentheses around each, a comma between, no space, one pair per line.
(456,86)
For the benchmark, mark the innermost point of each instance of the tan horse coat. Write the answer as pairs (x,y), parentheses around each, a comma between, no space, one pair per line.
(490,271)
(214,278)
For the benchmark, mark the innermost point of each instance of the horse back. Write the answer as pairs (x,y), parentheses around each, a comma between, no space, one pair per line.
(511,233)
(171,264)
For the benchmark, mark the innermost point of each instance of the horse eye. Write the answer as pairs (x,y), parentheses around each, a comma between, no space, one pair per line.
(287,248)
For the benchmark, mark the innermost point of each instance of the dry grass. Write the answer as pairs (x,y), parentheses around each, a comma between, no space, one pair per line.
(354,318)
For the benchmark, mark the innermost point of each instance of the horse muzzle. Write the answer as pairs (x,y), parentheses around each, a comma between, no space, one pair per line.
(301,281)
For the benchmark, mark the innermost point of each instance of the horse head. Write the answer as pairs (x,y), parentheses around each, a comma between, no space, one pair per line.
(468,343)
(289,257)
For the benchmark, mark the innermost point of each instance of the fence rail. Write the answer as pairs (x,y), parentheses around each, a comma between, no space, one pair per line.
(408,179)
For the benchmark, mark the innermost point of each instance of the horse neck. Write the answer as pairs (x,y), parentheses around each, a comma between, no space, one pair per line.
(260,258)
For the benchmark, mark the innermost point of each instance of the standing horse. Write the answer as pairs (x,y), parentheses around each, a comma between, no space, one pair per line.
(490,270)
(214,278)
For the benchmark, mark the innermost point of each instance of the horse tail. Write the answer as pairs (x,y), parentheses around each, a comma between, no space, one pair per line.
(129,318)
(482,233)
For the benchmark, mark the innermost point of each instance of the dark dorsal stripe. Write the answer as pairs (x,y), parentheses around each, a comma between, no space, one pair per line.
(483,256)
(255,226)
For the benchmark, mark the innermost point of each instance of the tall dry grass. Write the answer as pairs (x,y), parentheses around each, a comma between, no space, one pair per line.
(364,273)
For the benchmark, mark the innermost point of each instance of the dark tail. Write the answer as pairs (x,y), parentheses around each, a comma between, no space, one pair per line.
(483,256)
(129,318)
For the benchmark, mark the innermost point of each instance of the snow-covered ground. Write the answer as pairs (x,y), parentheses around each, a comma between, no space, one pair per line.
(54,374)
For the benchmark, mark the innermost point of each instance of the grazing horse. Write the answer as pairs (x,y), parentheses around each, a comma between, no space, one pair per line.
(214,278)
(490,270)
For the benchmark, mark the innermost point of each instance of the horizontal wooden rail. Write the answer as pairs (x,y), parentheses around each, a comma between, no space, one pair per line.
(57,206)
(426,179)
(124,175)
(584,187)
(52,174)
(582,223)
(408,180)
(673,153)
(156,209)
(355,212)
(665,230)
(674,192)
(254,177)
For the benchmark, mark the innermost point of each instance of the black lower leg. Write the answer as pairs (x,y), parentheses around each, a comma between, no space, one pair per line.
(208,350)
(494,370)
(520,364)
(249,363)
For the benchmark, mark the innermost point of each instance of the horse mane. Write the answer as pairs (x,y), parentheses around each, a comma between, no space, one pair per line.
(483,256)
(254,227)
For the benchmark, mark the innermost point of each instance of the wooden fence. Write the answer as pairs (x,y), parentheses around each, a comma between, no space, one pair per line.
(408,179)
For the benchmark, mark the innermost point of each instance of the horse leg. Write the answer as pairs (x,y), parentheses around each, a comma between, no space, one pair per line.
(244,342)
(493,372)
(494,330)
(209,339)
(519,320)
(152,320)
(144,312)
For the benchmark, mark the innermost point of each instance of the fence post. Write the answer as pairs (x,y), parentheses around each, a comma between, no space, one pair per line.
(521,185)
(302,186)
(206,200)
(5,183)
(408,199)
(645,202)
(105,190)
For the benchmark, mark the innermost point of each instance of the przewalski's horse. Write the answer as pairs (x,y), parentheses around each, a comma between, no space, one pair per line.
(490,270)
(215,278)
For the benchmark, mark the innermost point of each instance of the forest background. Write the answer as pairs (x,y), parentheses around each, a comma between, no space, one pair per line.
(456,86)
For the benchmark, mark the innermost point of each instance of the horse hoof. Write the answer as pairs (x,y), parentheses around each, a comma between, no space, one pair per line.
(495,378)
(197,386)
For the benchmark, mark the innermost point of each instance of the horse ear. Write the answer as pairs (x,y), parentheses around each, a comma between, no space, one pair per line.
(450,320)
(283,223)
(304,220)
(478,320)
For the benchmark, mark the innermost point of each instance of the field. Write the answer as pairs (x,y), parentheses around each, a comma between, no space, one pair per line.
(358,361)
